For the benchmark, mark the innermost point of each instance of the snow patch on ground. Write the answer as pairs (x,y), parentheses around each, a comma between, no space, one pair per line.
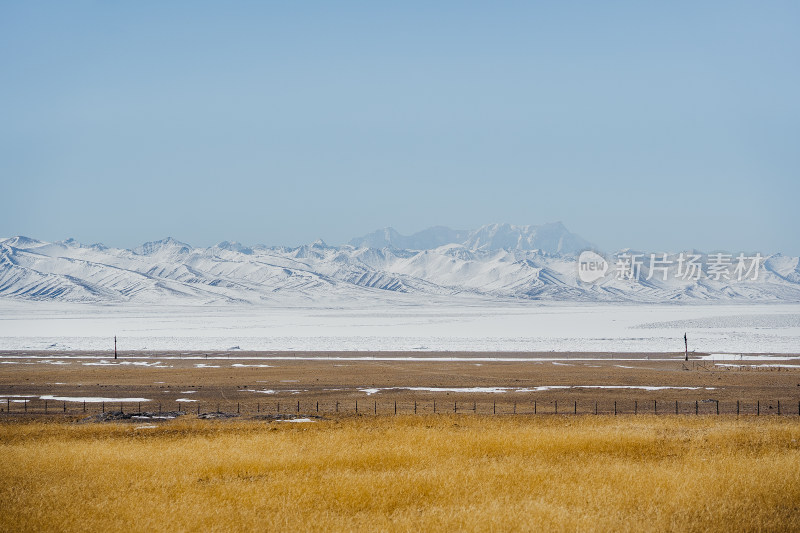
(91,399)
(745,357)
(732,365)
(543,388)
(153,364)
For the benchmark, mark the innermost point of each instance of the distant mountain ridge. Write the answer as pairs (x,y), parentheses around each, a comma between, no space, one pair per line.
(552,238)
(422,240)
(497,262)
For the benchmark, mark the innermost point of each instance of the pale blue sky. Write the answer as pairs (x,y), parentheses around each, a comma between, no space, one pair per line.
(654,125)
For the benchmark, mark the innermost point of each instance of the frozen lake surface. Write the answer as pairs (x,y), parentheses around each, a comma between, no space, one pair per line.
(382,326)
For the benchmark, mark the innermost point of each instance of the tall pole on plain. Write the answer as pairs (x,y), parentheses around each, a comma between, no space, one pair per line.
(115,346)
(686,347)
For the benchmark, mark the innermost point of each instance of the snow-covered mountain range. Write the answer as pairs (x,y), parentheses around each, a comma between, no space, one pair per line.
(498,261)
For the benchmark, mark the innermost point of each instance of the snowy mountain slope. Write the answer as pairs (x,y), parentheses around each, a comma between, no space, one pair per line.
(55,271)
(495,262)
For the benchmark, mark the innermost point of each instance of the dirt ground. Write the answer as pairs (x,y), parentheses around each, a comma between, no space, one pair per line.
(328,382)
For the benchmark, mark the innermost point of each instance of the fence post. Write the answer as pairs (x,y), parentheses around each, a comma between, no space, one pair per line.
(103,404)
(258,407)
(434,406)
(356,406)
(779,405)
(575,410)
(635,407)
(595,407)
(337,407)
(45,407)
(198,408)
(494,407)
(278,409)
(615,408)
(84,406)
(25,405)
(8,405)
(556,407)
(298,406)
(676,407)
(737,407)
(717,407)
(758,407)
(534,407)
(65,407)
(237,408)
(474,407)
(415,406)
(395,407)
(515,407)
(655,407)
(318,407)
(375,409)
(696,407)
(455,407)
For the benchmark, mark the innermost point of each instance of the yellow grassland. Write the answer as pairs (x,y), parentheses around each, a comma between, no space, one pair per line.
(405,473)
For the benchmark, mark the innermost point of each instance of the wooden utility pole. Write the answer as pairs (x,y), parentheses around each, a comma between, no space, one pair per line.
(115,346)
(686,347)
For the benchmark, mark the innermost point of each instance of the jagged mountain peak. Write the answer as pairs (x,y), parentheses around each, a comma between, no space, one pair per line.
(74,243)
(21,242)
(168,245)
(234,246)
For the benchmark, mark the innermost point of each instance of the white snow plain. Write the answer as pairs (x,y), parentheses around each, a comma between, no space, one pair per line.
(381,326)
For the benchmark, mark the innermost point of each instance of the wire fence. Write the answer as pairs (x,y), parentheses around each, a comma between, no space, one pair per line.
(426,406)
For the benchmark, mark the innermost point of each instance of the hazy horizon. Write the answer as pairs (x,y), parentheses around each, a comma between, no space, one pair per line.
(592,245)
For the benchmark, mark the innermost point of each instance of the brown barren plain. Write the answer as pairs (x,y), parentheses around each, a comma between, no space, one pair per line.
(260,381)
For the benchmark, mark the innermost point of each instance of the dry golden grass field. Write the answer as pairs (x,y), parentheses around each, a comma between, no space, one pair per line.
(403,473)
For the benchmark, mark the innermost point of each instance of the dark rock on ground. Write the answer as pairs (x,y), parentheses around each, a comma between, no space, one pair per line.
(211,416)
(115,416)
